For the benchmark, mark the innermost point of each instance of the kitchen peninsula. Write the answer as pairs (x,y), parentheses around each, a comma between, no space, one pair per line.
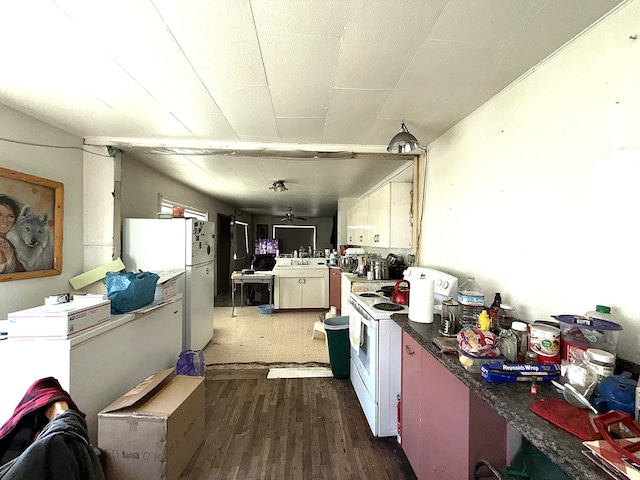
(510,401)
(300,283)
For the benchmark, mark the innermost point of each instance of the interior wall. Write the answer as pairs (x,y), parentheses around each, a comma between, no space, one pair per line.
(61,165)
(536,193)
(324,227)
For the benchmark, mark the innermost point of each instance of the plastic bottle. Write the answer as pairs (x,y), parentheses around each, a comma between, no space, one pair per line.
(484,321)
(471,300)
(493,313)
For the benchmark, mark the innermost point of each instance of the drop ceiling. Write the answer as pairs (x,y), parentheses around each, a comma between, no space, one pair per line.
(228,96)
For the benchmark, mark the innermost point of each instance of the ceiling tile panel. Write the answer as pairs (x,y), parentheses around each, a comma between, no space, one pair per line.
(352,113)
(297,80)
(300,130)
(306,17)
(380,40)
(207,29)
(248,109)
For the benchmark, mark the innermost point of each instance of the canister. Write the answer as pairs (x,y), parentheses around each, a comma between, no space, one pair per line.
(544,341)
(600,362)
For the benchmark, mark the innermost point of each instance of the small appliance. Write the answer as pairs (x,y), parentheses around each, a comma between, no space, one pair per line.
(429,288)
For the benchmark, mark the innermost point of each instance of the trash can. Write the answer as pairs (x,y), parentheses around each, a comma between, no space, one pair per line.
(337,331)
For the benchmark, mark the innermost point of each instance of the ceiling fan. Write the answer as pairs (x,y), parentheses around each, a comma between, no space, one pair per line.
(289,216)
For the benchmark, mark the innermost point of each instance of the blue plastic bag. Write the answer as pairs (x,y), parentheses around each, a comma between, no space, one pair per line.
(191,362)
(129,291)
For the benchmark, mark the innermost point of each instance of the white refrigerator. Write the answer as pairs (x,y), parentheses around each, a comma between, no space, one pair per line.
(187,244)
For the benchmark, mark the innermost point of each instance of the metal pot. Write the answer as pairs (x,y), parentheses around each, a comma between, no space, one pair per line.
(348,264)
(400,293)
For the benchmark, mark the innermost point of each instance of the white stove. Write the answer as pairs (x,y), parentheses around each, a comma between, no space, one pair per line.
(376,306)
(376,362)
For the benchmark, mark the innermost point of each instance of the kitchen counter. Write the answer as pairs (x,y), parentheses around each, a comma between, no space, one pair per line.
(512,402)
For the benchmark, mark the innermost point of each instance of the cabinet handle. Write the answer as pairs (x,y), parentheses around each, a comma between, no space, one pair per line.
(406,347)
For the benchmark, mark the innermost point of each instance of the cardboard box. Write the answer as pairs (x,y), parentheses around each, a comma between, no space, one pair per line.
(152,431)
(167,286)
(60,321)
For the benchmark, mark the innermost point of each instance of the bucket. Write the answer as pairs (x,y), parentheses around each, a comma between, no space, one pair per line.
(265,309)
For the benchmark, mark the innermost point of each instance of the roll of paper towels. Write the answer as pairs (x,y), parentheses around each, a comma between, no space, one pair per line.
(421,300)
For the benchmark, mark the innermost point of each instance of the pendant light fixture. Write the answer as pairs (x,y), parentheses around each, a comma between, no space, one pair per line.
(278,186)
(404,142)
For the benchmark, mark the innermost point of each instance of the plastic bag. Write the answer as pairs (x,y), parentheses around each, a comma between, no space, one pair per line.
(129,291)
(191,362)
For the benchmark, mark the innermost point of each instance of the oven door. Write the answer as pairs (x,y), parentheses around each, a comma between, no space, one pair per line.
(363,370)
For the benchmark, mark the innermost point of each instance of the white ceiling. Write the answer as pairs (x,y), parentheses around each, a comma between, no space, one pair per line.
(272,76)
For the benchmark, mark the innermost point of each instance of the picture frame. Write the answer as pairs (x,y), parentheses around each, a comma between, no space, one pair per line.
(31,242)
(263,230)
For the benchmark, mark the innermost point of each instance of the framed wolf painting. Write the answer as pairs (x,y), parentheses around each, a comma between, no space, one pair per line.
(31,216)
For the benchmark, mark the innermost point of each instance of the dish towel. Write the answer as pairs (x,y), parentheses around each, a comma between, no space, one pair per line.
(356,332)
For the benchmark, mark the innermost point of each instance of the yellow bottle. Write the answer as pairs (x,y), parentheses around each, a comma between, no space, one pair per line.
(484,321)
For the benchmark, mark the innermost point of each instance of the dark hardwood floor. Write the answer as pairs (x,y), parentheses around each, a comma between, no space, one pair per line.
(302,428)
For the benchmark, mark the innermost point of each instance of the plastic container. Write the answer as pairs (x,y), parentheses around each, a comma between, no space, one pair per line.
(265,309)
(580,333)
(473,364)
(544,341)
(601,363)
(337,331)
(521,331)
(471,300)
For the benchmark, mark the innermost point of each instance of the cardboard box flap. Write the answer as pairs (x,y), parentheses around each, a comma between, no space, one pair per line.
(140,391)
(165,276)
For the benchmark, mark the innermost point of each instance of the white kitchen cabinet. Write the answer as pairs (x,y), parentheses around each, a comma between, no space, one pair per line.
(382,219)
(98,366)
(358,227)
(303,287)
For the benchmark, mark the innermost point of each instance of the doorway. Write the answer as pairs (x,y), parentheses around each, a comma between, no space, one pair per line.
(223,253)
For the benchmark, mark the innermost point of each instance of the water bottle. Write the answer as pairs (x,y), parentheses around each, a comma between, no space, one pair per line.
(471,300)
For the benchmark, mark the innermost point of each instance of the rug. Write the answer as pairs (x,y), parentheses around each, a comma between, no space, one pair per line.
(253,339)
(300,372)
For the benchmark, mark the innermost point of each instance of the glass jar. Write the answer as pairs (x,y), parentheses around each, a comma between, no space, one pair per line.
(506,315)
(508,344)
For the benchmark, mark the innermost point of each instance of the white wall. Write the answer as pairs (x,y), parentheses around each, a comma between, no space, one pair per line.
(141,186)
(537,193)
(58,164)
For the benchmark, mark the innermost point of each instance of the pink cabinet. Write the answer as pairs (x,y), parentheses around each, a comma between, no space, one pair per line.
(446,428)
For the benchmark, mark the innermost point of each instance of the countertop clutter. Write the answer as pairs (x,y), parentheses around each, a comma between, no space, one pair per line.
(512,401)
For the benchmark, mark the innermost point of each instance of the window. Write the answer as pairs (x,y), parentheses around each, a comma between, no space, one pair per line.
(240,240)
(166,206)
(292,237)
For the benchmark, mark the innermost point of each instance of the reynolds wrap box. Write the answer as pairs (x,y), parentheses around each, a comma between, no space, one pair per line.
(59,321)
(152,431)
